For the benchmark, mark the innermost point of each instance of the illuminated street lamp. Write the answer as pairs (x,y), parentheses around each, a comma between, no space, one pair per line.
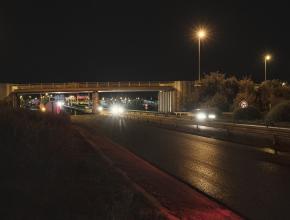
(266,58)
(201,34)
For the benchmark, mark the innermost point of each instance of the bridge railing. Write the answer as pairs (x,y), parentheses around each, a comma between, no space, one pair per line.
(72,85)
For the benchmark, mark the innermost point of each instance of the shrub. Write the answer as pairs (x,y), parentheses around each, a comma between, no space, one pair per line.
(249,113)
(230,89)
(280,113)
(219,101)
(20,127)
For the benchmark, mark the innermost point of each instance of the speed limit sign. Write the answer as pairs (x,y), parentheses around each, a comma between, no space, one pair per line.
(244,104)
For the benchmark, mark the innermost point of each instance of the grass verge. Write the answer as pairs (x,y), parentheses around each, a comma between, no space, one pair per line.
(49,172)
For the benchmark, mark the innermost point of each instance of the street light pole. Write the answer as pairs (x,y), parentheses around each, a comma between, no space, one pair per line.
(265,69)
(267,57)
(199,59)
(201,34)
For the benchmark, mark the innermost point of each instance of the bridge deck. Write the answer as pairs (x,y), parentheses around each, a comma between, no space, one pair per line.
(98,86)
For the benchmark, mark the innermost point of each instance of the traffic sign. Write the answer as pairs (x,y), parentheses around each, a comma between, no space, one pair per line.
(244,104)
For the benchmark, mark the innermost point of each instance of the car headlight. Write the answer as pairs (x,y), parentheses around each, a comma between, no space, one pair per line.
(121,110)
(201,116)
(117,110)
(212,116)
(114,110)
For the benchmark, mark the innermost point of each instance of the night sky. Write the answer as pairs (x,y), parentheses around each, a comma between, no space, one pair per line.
(54,41)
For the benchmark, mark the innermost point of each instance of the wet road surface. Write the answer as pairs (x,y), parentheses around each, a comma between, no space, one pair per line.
(246,179)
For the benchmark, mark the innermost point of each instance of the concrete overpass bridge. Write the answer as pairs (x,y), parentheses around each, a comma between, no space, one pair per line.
(171,94)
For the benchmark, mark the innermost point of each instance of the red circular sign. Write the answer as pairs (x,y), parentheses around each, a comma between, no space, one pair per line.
(244,104)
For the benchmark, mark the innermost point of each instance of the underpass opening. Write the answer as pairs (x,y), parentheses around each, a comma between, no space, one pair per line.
(73,103)
(89,102)
(138,101)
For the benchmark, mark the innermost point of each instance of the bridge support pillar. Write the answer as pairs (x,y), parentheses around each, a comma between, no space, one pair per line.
(159,101)
(4,90)
(95,100)
(166,101)
(15,101)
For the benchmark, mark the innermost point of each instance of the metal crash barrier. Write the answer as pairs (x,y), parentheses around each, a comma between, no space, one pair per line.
(279,136)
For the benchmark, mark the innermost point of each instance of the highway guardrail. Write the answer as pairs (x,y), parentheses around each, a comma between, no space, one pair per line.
(280,136)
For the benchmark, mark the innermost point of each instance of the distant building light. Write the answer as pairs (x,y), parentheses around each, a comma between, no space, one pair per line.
(60,104)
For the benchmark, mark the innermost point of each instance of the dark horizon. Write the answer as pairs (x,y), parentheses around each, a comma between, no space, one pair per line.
(91,41)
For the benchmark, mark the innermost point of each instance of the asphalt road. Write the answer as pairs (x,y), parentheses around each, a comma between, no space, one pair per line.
(248,180)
